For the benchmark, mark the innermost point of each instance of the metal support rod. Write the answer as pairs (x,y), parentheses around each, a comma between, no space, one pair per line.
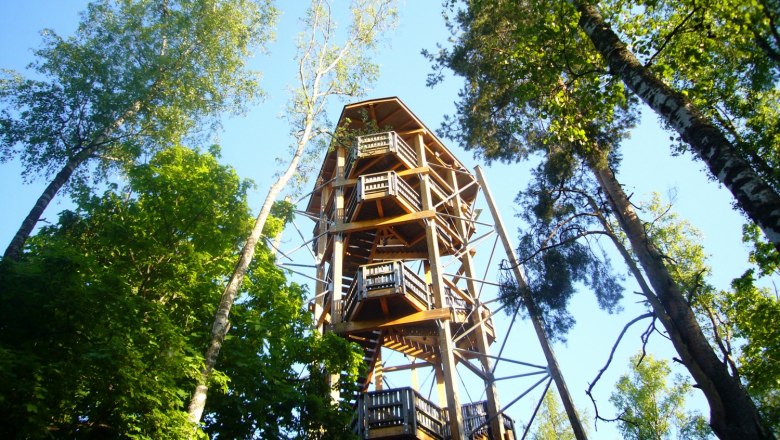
(503,410)
(534,314)
(473,279)
(498,358)
(536,410)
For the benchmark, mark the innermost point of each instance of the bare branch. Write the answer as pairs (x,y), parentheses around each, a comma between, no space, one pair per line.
(609,361)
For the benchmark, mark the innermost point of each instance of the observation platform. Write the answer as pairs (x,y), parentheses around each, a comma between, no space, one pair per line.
(391,296)
(404,414)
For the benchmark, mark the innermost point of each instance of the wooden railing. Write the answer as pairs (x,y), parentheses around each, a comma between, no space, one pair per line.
(349,207)
(409,194)
(386,275)
(405,408)
(378,185)
(378,144)
(402,407)
(461,308)
(475,420)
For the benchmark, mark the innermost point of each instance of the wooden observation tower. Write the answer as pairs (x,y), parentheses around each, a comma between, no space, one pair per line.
(392,207)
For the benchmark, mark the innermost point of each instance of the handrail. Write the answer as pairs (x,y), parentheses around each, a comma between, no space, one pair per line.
(392,274)
(400,407)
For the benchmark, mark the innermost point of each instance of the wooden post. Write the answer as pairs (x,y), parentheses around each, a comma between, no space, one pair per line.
(441,388)
(446,346)
(337,260)
(533,312)
(415,381)
(320,285)
(493,406)
(379,369)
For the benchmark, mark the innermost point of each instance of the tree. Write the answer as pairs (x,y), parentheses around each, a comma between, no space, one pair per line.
(707,51)
(652,409)
(123,87)
(752,313)
(520,100)
(108,310)
(562,246)
(102,324)
(325,70)
(753,193)
(551,422)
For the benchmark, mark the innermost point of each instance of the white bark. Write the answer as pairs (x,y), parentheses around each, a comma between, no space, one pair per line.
(754,195)
(317,59)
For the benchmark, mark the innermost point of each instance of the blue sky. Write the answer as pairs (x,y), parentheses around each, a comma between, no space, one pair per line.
(248,143)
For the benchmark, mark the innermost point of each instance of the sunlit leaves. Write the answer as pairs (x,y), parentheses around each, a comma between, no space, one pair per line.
(651,408)
(107,313)
(722,55)
(533,81)
(136,76)
(108,304)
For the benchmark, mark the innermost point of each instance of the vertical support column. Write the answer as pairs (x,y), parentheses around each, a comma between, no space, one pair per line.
(493,405)
(534,314)
(415,382)
(441,388)
(321,285)
(446,347)
(379,372)
(337,260)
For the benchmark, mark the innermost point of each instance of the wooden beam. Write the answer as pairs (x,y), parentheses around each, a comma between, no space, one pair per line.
(410,132)
(459,292)
(465,362)
(360,326)
(534,313)
(380,222)
(411,366)
(418,170)
(341,182)
(400,255)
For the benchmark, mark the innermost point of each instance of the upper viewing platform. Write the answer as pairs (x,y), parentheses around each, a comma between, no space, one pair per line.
(390,147)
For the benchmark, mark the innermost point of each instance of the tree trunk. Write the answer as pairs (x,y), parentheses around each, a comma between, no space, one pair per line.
(753,194)
(221,323)
(14,249)
(733,414)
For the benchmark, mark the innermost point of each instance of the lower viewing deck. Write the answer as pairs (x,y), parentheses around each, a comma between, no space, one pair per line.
(404,414)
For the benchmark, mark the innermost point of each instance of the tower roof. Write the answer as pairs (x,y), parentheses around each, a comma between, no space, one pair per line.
(388,114)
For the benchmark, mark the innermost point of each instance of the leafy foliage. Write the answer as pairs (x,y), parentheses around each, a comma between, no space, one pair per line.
(561,250)
(551,422)
(722,55)
(521,100)
(754,313)
(105,315)
(137,76)
(126,81)
(650,408)
(533,82)
(741,322)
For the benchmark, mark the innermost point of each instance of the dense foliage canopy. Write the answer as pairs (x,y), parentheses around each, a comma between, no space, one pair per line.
(105,317)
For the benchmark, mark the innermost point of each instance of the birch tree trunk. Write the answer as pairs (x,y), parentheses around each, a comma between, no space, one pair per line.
(754,195)
(221,323)
(325,70)
(14,249)
(733,415)
(125,60)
